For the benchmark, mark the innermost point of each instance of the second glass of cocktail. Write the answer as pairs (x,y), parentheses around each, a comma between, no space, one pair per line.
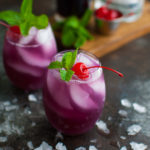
(28,47)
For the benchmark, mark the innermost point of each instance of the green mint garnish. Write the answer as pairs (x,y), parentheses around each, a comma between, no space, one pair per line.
(25,19)
(73,30)
(65,65)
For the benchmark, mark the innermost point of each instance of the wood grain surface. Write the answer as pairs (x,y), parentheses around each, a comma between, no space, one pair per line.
(102,44)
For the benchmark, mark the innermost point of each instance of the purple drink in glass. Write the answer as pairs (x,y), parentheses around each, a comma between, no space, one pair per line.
(26,57)
(73,107)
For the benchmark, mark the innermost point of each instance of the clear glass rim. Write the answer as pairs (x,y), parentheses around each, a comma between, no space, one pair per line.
(76,79)
(21,44)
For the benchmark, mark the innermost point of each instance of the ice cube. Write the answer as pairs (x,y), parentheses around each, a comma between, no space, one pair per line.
(33,58)
(87,60)
(125,102)
(123,113)
(28,39)
(44,146)
(102,126)
(123,148)
(45,36)
(138,146)
(32,98)
(81,98)
(30,145)
(92,147)
(123,137)
(26,69)
(60,146)
(93,140)
(6,103)
(139,108)
(134,129)
(80,148)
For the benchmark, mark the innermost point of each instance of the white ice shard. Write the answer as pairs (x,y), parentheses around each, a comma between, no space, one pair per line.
(92,147)
(139,108)
(80,148)
(126,103)
(32,98)
(134,129)
(102,126)
(60,146)
(44,146)
(138,146)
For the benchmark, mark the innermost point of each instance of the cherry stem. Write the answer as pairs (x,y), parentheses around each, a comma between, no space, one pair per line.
(4,24)
(120,74)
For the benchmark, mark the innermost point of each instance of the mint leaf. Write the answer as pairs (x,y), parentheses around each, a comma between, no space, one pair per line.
(26,8)
(55,65)
(83,32)
(68,37)
(86,17)
(41,21)
(66,60)
(74,55)
(11,17)
(72,22)
(66,75)
(24,28)
(80,41)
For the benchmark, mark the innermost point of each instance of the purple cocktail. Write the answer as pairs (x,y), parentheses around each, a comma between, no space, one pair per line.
(73,107)
(26,57)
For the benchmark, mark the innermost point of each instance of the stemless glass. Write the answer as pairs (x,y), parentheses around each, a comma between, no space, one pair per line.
(73,107)
(26,57)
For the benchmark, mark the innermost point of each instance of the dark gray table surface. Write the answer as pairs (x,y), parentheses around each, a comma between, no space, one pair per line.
(28,122)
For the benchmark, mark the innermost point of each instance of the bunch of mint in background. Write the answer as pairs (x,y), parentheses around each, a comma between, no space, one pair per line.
(25,19)
(73,30)
(65,65)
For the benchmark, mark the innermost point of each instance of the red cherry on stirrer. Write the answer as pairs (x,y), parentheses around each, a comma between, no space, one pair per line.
(15,29)
(81,70)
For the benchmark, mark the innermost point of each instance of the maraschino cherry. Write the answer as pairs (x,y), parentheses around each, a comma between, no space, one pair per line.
(82,71)
(15,29)
(106,13)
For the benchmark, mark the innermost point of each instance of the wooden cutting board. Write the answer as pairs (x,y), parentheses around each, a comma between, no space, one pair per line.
(102,44)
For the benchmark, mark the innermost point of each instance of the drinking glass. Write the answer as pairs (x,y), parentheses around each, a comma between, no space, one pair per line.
(26,57)
(73,107)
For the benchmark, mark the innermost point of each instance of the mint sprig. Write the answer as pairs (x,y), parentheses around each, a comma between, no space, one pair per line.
(73,30)
(65,65)
(25,19)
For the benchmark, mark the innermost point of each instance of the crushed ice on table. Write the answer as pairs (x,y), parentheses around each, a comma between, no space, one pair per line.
(134,129)
(80,148)
(30,145)
(139,108)
(44,146)
(27,111)
(6,103)
(59,136)
(60,146)
(123,148)
(123,113)
(3,139)
(126,103)
(102,126)
(123,137)
(32,98)
(92,147)
(11,107)
(93,140)
(138,146)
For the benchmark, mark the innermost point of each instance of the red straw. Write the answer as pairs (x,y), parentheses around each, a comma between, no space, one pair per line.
(4,24)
